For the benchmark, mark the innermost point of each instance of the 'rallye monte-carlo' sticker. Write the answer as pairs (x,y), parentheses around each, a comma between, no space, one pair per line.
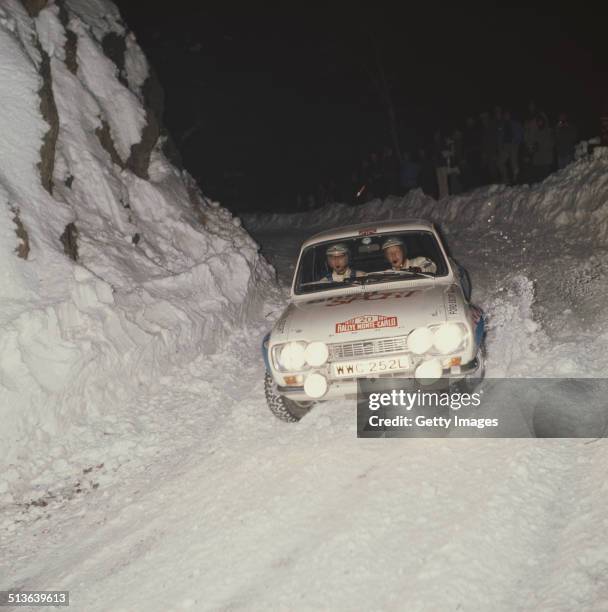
(366,322)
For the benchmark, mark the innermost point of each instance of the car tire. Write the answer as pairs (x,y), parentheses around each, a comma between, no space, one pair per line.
(283,408)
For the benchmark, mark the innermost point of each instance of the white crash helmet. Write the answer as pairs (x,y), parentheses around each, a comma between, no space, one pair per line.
(337,249)
(389,242)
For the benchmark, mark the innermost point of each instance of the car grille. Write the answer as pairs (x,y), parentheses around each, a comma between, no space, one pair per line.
(365,348)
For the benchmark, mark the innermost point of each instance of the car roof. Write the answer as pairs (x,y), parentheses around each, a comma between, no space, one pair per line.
(362,229)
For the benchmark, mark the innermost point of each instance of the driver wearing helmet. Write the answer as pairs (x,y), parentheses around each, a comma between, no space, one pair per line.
(338,261)
(395,253)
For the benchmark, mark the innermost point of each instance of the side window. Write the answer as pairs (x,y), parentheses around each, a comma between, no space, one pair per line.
(307,267)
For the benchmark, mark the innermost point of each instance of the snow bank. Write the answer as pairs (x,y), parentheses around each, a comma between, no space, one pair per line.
(575,198)
(113,266)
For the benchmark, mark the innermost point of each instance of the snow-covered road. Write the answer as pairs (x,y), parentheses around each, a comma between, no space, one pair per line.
(230,509)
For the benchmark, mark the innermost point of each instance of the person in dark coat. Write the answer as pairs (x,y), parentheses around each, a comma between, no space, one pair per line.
(376,187)
(441,165)
(512,137)
(456,162)
(390,172)
(409,172)
(471,164)
(489,148)
(530,129)
(427,179)
(566,136)
(543,148)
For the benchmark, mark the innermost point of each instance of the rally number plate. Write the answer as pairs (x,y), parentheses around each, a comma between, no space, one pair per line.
(371,367)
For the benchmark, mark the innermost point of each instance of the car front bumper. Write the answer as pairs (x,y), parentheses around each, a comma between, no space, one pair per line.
(346,388)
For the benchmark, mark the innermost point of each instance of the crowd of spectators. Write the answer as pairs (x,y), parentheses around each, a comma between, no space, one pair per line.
(496,147)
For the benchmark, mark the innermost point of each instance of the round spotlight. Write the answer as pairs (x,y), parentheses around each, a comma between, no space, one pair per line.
(447,338)
(315,385)
(420,340)
(429,371)
(316,354)
(292,356)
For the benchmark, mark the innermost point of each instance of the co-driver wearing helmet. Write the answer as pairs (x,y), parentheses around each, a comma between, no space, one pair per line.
(338,262)
(394,251)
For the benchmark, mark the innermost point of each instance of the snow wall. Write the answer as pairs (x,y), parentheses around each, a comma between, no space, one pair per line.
(114,267)
(574,199)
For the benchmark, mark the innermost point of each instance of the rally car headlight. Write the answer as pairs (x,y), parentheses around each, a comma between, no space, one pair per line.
(298,355)
(290,356)
(448,337)
(316,354)
(315,385)
(443,339)
(429,371)
(420,340)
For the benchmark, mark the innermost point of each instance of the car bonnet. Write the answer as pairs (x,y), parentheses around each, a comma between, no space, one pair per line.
(372,314)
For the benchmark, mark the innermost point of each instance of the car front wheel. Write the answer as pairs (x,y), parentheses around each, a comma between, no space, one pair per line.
(283,408)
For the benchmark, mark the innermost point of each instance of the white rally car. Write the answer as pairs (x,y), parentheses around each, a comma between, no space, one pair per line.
(400,308)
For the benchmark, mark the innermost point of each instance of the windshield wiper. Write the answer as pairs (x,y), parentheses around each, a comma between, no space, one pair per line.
(331,284)
(380,276)
(420,273)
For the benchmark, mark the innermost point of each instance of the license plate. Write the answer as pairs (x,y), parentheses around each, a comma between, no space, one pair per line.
(371,367)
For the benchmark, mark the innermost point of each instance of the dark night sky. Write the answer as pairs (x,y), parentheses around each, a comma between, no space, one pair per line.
(282,94)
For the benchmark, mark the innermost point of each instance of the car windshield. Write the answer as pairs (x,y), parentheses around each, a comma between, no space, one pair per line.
(369,259)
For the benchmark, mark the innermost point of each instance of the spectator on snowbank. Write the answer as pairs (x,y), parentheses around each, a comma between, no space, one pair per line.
(542,149)
(498,148)
(511,138)
(409,172)
(471,164)
(530,129)
(566,136)
(456,161)
(489,148)
(427,179)
(441,165)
